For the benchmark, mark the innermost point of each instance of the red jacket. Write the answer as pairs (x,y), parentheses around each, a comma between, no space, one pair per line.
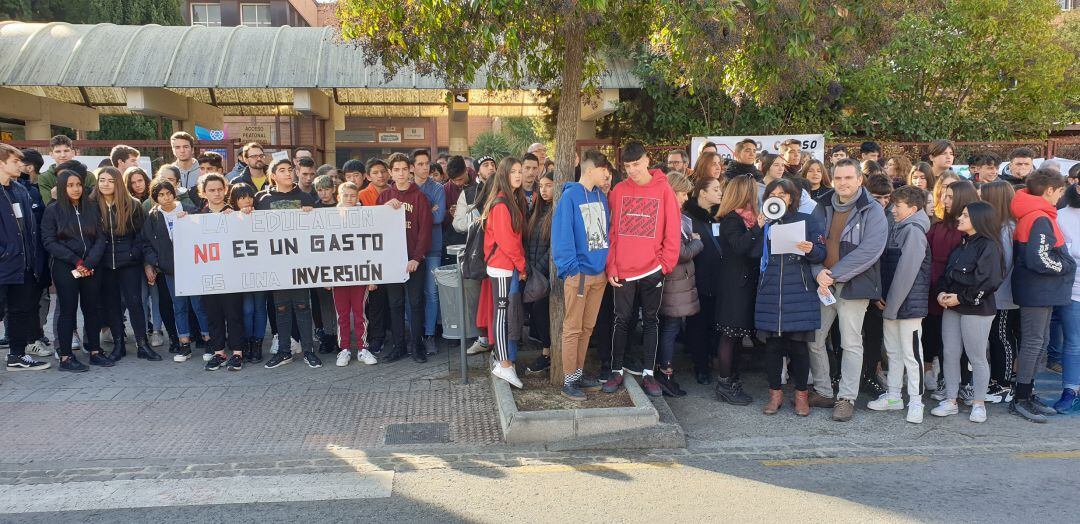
(942,239)
(498,229)
(417,218)
(645,228)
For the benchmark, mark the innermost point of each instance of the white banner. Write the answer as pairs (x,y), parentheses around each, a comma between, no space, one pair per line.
(289,249)
(814,145)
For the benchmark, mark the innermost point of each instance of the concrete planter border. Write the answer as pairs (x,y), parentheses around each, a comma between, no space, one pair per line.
(551,426)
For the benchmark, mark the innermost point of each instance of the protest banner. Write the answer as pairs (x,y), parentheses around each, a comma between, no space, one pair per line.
(814,145)
(288,249)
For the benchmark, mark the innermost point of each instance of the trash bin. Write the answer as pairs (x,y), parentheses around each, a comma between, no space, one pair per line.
(449,281)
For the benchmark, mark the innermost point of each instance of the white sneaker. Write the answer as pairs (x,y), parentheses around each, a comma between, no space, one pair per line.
(914,412)
(945,408)
(366,357)
(296,349)
(38,349)
(343,358)
(978,414)
(886,403)
(76,342)
(478,347)
(207,356)
(509,375)
(156,340)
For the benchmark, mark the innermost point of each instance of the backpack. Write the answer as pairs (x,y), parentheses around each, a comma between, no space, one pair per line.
(472,258)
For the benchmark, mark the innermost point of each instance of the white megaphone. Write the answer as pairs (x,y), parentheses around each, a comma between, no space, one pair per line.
(774,208)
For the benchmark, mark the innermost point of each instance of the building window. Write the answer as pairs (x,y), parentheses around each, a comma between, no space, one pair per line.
(255,15)
(208,15)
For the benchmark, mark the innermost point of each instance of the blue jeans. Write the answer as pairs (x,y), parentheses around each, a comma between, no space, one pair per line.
(181,307)
(150,301)
(1053,348)
(255,314)
(669,330)
(1070,349)
(431,294)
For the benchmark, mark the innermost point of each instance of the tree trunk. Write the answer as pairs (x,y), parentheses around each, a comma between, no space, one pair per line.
(565,144)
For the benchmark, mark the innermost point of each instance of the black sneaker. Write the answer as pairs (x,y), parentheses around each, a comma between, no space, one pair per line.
(174,347)
(996,393)
(235,362)
(571,392)
(312,359)
(872,386)
(703,377)
(431,345)
(540,365)
(730,390)
(327,344)
(587,384)
(1024,409)
(183,353)
(25,363)
(215,362)
(101,359)
(1041,406)
(604,375)
(278,359)
(375,346)
(73,365)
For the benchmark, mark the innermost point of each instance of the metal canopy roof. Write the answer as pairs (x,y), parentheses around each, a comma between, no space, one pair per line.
(245,70)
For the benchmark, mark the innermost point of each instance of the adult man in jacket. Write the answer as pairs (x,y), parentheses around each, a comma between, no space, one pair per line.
(856,231)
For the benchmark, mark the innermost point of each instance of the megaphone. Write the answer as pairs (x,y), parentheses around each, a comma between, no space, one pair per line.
(774,208)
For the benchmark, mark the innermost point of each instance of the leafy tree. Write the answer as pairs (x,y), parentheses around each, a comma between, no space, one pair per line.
(14,9)
(522,133)
(129,127)
(972,69)
(489,143)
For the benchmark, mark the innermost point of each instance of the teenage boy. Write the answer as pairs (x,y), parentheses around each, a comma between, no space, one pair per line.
(837,153)
(485,168)
(530,171)
(20,267)
(378,178)
(305,175)
(436,195)
(579,229)
(254,173)
(1021,163)
(791,150)
(1042,278)
(211,162)
(183,148)
(458,182)
(404,193)
(856,234)
(743,161)
(123,157)
(645,242)
(984,167)
(869,150)
(289,303)
(31,169)
(905,279)
(61,149)
(354,171)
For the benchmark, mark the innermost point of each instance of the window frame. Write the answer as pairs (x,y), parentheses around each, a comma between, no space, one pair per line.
(256,5)
(206,6)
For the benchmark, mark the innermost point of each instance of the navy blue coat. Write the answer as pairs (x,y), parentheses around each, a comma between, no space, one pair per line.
(787,299)
(18,252)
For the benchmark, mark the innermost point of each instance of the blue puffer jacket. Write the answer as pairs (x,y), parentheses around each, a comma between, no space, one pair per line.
(787,299)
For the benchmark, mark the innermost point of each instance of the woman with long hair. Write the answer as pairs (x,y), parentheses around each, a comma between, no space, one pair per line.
(71,233)
(898,167)
(537,256)
(137,183)
(815,172)
(680,296)
(504,216)
(701,332)
(1005,331)
(943,237)
(709,165)
(966,292)
(922,177)
(787,311)
(740,242)
(241,197)
(120,271)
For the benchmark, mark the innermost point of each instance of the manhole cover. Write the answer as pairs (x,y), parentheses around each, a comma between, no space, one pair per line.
(418,433)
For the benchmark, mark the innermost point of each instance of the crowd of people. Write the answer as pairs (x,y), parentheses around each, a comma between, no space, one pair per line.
(873,274)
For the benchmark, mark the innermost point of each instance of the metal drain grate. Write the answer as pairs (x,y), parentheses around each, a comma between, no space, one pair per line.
(418,433)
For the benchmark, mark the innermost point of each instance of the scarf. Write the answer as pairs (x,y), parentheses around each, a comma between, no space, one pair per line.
(843,208)
(747,216)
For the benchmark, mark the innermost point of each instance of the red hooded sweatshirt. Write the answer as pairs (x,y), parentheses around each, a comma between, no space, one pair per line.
(502,244)
(417,218)
(645,228)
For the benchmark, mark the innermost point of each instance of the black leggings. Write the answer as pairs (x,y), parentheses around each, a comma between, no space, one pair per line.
(72,292)
(776,348)
(1004,339)
(126,282)
(225,314)
(540,321)
(931,338)
(701,331)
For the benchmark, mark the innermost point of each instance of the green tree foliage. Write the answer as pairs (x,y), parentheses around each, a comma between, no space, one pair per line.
(522,133)
(128,12)
(129,127)
(489,143)
(14,9)
(973,69)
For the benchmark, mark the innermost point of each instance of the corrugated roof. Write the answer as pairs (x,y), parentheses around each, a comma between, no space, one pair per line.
(116,56)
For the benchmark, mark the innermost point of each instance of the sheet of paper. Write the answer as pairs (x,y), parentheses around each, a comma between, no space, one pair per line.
(785,236)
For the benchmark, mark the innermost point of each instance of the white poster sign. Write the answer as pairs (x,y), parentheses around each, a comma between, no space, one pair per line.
(813,145)
(92,162)
(289,249)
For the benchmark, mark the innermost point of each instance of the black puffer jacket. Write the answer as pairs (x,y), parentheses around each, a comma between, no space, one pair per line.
(156,242)
(123,250)
(735,169)
(707,261)
(86,246)
(974,272)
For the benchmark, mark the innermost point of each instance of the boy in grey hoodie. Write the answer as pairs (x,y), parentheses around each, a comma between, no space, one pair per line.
(905,277)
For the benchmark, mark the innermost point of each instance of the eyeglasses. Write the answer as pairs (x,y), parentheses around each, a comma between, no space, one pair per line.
(263,155)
